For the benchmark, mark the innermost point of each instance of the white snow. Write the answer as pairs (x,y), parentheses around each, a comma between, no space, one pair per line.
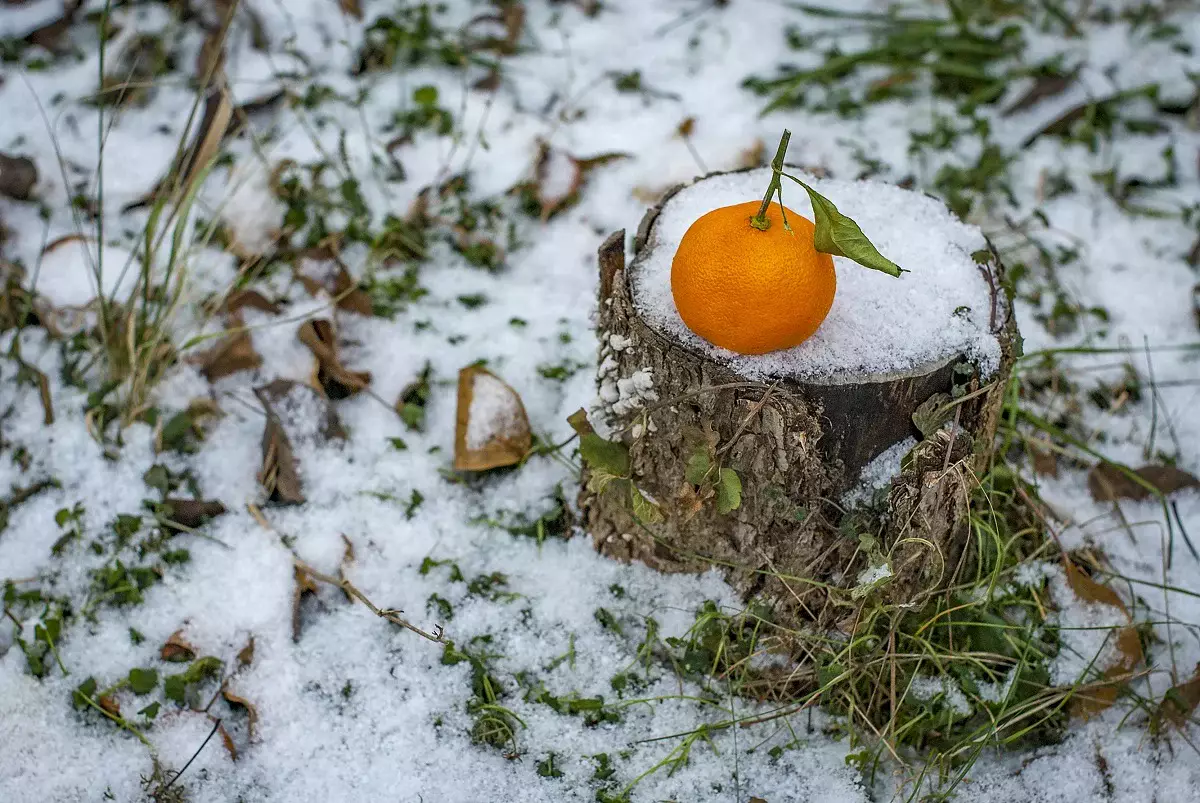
(878,325)
(67,274)
(494,410)
(356,709)
(878,474)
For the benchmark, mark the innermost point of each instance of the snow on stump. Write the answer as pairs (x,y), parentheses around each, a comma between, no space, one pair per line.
(855,451)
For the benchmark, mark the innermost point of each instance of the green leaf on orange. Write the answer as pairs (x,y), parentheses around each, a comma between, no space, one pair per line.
(840,236)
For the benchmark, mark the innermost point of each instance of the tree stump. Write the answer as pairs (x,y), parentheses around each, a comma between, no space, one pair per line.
(798,428)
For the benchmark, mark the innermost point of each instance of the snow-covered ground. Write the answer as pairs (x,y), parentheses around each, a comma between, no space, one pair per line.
(348,706)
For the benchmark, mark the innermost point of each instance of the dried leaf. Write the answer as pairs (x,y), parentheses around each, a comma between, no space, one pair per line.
(240,299)
(225,738)
(335,379)
(559,177)
(50,35)
(18,174)
(109,704)
(1044,461)
(754,156)
(192,513)
(686,128)
(931,414)
(687,502)
(510,20)
(1099,696)
(349,295)
(242,702)
(304,585)
(491,426)
(278,475)
(177,650)
(579,422)
(1179,704)
(352,8)
(1107,483)
(232,353)
(245,655)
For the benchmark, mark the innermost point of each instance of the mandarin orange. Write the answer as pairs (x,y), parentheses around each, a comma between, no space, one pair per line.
(751,290)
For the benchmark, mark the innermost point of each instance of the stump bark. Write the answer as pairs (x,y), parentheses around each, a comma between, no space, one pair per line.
(796,447)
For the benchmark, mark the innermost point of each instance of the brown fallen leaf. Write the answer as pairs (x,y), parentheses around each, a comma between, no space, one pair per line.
(349,295)
(241,299)
(1179,704)
(1107,483)
(754,156)
(225,737)
(245,655)
(109,704)
(50,35)
(177,650)
(29,373)
(509,19)
(242,702)
(192,513)
(491,426)
(232,353)
(1100,695)
(296,403)
(1044,461)
(321,271)
(18,174)
(335,379)
(559,177)
(687,502)
(304,585)
(351,7)
(278,475)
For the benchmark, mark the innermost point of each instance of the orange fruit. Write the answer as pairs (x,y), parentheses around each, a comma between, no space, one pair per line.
(747,290)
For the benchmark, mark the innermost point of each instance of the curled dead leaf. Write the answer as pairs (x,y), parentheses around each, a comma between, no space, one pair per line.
(1044,462)
(322,271)
(245,655)
(335,379)
(559,177)
(304,586)
(18,174)
(491,426)
(225,737)
(109,704)
(177,650)
(754,156)
(192,513)
(232,353)
(1179,704)
(241,702)
(1108,483)
(241,299)
(508,23)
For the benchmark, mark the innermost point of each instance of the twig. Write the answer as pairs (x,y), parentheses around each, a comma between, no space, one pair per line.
(389,614)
